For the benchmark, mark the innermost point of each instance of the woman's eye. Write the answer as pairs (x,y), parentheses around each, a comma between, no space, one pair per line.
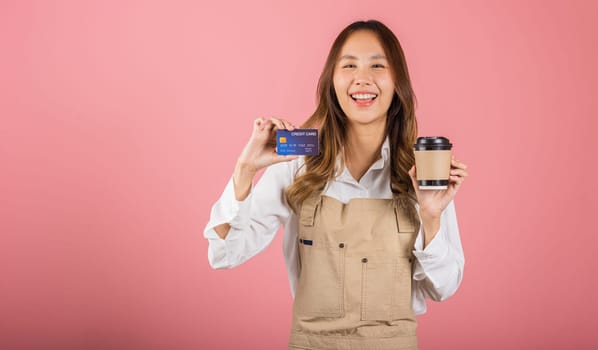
(378,65)
(349,65)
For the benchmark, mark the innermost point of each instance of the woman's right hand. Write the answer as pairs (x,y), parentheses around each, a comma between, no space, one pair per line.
(259,153)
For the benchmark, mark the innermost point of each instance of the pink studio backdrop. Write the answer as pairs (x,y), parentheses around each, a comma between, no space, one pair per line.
(122,120)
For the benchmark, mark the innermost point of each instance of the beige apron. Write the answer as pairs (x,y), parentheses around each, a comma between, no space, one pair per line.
(354,289)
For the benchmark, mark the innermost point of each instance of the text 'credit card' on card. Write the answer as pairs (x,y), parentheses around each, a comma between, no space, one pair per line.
(299,142)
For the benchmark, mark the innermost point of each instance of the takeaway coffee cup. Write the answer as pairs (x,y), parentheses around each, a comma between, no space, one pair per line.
(432,162)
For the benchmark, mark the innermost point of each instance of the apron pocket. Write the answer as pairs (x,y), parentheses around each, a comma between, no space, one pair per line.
(378,284)
(321,280)
(401,299)
(386,289)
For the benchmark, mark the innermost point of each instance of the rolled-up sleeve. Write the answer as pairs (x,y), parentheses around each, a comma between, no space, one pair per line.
(438,269)
(253,221)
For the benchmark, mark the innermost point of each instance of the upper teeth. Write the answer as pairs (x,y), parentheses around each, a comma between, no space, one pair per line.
(363,96)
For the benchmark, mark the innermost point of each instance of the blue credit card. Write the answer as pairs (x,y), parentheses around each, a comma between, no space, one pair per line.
(299,142)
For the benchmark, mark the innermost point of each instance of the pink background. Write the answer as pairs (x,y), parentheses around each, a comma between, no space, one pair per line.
(122,120)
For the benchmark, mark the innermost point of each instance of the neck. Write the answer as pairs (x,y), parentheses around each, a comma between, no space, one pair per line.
(362,148)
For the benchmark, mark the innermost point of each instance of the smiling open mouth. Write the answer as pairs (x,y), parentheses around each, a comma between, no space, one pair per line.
(363,97)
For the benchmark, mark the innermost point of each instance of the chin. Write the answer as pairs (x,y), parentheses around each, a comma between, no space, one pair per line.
(366,118)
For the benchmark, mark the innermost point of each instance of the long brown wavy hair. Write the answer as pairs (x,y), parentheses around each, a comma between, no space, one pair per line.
(329,118)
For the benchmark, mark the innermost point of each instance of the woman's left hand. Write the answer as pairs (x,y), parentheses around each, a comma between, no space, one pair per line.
(433,202)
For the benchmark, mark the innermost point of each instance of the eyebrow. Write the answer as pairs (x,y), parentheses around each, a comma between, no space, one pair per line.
(351,57)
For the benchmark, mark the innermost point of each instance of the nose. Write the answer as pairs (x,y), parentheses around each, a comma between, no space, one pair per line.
(362,82)
(362,78)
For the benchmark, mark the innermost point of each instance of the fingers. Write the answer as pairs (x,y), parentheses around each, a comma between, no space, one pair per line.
(457,176)
(457,164)
(257,123)
(458,172)
(456,179)
(282,124)
(458,169)
(261,124)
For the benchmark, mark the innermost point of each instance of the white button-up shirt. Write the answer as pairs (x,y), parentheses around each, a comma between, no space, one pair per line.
(254,222)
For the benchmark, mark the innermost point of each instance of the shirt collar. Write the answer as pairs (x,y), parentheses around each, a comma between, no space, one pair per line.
(378,164)
(384,155)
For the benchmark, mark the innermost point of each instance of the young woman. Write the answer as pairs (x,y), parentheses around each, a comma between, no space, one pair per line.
(363,245)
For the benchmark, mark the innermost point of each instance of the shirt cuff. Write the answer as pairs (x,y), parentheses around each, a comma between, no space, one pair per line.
(232,211)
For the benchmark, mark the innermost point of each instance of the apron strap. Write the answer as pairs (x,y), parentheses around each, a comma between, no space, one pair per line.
(309,207)
(407,223)
(406,216)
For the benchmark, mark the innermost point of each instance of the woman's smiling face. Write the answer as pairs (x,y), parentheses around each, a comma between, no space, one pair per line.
(363,80)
